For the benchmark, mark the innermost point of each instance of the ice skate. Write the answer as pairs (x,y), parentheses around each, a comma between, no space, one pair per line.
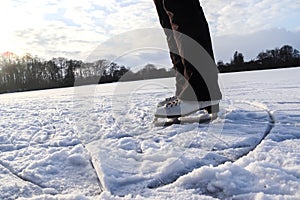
(184,112)
(180,108)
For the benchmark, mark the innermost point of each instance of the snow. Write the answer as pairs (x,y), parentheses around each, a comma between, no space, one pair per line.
(97,142)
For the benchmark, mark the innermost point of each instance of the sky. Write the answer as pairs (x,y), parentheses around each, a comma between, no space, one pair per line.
(76,29)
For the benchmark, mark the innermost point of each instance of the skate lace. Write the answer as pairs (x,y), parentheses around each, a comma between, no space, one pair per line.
(171,104)
(171,98)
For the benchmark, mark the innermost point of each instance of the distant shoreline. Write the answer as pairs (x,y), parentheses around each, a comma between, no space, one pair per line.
(29,73)
(221,72)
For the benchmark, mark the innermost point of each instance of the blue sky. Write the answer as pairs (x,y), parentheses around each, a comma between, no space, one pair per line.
(74,29)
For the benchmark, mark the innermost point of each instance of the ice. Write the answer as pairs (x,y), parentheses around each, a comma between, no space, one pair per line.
(97,142)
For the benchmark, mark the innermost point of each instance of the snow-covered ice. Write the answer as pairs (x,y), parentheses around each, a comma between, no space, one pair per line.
(97,142)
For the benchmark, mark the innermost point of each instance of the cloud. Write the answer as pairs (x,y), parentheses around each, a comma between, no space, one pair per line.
(74,29)
(130,15)
(249,16)
(253,43)
(135,48)
(57,40)
(43,27)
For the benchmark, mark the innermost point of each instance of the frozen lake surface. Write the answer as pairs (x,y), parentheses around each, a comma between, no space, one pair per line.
(97,142)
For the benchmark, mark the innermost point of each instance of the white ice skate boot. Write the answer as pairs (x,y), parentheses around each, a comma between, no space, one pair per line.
(180,108)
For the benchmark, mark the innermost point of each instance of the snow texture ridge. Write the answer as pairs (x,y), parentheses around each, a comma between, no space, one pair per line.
(149,162)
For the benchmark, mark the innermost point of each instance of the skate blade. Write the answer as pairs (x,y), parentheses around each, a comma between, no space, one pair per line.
(203,118)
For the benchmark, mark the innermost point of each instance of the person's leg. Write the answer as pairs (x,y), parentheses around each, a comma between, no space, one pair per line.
(174,54)
(187,19)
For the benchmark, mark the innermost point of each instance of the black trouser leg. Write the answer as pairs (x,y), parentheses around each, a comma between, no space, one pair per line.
(190,43)
(174,54)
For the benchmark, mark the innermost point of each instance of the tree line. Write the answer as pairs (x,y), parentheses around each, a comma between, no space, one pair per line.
(286,56)
(33,73)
